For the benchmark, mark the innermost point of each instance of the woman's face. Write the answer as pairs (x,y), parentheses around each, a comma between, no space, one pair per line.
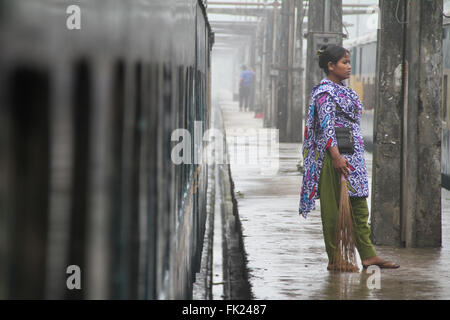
(342,69)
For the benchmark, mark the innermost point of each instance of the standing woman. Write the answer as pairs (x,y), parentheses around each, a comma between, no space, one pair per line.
(333,104)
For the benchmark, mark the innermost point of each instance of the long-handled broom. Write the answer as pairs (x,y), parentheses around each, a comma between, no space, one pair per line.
(345,255)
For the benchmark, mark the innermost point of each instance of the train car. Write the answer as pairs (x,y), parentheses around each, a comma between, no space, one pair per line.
(363,55)
(91,205)
(363,52)
(446,105)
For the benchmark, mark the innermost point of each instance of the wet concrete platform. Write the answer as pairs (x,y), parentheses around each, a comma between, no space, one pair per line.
(286,253)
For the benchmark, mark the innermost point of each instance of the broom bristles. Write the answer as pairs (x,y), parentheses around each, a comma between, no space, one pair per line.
(345,255)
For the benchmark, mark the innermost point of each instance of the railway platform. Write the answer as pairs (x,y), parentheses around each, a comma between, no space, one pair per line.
(286,256)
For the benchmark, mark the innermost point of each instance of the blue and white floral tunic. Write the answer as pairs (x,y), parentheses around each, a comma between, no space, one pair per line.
(333,103)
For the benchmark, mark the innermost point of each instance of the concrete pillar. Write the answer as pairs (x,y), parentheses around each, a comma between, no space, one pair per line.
(422,172)
(263,98)
(269,60)
(259,67)
(290,77)
(324,27)
(406,198)
(273,73)
(297,108)
(283,69)
(253,64)
(387,135)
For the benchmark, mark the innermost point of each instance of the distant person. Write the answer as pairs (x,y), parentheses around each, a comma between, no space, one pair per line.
(334,105)
(245,88)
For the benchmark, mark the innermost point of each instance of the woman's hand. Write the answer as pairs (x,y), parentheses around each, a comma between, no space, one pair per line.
(341,166)
(339,162)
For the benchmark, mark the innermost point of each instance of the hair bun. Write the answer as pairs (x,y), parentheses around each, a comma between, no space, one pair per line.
(322,49)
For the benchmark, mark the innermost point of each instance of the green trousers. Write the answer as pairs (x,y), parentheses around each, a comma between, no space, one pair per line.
(329,188)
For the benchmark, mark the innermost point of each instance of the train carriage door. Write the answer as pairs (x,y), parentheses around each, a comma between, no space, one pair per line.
(28,183)
(80,185)
(117,267)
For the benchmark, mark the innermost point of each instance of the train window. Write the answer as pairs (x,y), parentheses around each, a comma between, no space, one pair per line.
(181,97)
(117,125)
(184,115)
(368,58)
(29,184)
(186,109)
(360,58)
(445,99)
(180,119)
(81,100)
(133,218)
(188,98)
(446,47)
(354,63)
(191,112)
(154,97)
(371,58)
(163,227)
(353,57)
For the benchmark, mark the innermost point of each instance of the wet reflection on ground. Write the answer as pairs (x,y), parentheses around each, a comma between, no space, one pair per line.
(286,254)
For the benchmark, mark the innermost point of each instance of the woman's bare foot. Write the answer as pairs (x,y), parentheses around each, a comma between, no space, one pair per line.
(377,261)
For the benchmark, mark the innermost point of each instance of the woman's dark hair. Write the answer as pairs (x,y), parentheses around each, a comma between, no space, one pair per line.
(330,53)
